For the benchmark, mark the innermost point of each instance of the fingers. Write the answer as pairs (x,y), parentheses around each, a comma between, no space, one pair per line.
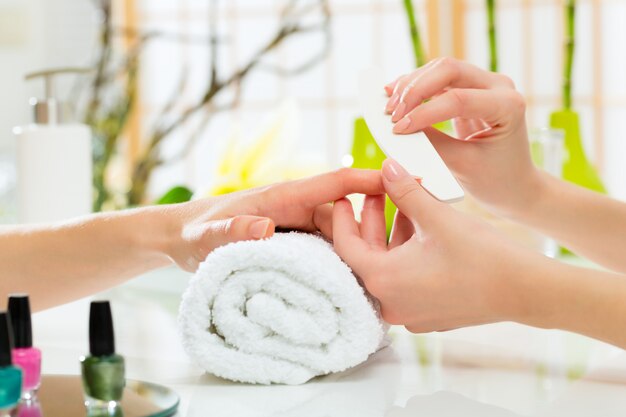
(409,196)
(402,231)
(491,106)
(441,75)
(323,220)
(220,232)
(346,235)
(373,227)
(331,186)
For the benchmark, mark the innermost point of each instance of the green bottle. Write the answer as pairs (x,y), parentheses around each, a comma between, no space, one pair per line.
(366,154)
(576,166)
(103,369)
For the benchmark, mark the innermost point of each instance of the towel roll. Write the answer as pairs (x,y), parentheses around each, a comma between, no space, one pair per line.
(281,310)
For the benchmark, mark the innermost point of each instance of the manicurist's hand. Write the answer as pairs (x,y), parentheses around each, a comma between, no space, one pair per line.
(490,155)
(443,269)
(440,270)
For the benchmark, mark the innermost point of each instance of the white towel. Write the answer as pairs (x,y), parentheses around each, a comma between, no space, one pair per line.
(281,310)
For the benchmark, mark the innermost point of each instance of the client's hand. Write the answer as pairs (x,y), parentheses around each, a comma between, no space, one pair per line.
(200,226)
(440,270)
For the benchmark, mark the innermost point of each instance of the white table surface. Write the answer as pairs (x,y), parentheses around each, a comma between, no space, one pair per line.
(495,370)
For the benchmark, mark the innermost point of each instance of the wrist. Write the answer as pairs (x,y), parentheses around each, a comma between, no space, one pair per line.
(533,191)
(541,288)
(152,231)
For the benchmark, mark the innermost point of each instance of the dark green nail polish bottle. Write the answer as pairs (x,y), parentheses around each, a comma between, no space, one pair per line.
(103,369)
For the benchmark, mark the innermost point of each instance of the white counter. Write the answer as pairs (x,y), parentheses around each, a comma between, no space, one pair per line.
(495,370)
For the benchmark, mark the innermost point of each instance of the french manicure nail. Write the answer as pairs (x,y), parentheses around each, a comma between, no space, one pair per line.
(393,171)
(392,103)
(402,125)
(258,229)
(399,112)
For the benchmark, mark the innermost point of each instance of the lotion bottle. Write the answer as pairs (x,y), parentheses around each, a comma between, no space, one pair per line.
(54,159)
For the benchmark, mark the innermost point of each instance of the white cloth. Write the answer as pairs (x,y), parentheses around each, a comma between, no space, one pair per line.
(280,310)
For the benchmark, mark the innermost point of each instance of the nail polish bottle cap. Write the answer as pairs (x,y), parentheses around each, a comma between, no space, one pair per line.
(101,338)
(6,340)
(19,311)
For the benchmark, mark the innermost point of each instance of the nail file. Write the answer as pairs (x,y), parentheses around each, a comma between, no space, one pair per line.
(413,151)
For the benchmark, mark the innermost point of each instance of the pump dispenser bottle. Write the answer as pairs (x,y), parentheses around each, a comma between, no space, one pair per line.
(54,162)
(10,376)
(103,369)
(27,357)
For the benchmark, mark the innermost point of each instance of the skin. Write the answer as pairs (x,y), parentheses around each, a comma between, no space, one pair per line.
(65,261)
(443,269)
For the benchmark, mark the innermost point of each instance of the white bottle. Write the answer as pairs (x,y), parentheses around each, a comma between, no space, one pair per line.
(54,161)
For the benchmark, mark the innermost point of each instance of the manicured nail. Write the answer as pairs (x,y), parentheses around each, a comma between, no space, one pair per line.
(393,171)
(399,112)
(258,229)
(402,125)
(392,103)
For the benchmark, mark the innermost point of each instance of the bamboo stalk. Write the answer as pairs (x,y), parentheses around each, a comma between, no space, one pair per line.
(570,15)
(418,49)
(491,33)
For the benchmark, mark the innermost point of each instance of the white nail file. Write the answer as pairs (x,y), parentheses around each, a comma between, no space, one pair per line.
(413,151)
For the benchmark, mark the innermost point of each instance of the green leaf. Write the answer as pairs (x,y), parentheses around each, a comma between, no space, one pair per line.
(178,194)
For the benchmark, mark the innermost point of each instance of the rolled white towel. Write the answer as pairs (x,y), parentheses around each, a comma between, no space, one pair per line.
(281,310)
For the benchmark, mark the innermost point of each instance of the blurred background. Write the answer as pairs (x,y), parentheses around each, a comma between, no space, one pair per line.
(216,96)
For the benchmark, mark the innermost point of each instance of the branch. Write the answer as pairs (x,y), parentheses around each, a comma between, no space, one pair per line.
(287,29)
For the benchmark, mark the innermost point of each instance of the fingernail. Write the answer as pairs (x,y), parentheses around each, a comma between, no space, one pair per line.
(402,125)
(389,88)
(392,103)
(393,171)
(258,229)
(399,112)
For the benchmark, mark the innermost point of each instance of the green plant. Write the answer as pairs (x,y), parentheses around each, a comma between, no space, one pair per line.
(416,40)
(108,99)
(491,34)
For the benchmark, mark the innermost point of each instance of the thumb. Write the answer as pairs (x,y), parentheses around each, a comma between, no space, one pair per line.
(198,240)
(408,195)
(220,232)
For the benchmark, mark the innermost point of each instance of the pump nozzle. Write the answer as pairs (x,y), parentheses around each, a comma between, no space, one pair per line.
(50,110)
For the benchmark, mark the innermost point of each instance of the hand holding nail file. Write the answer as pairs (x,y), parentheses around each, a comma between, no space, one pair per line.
(413,151)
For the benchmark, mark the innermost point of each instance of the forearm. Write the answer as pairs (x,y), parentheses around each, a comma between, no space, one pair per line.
(589,302)
(69,260)
(590,224)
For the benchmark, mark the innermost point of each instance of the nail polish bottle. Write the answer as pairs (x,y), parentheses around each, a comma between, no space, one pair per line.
(25,355)
(10,376)
(103,369)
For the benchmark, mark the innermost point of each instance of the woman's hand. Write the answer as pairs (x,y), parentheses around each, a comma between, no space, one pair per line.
(198,227)
(441,269)
(490,156)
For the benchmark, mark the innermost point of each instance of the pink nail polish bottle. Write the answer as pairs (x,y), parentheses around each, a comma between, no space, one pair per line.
(25,355)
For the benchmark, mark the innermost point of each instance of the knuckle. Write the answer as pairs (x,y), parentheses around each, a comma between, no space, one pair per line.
(404,191)
(458,98)
(390,316)
(450,65)
(229,226)
(517,101)
(506,81)
(342,176)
